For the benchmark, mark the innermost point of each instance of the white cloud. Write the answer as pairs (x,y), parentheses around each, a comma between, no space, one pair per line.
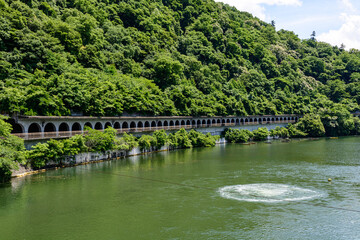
(347,4)
(348,34)
(256,6)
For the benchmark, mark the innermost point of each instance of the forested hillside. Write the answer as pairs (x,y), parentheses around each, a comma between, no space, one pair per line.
(169,57)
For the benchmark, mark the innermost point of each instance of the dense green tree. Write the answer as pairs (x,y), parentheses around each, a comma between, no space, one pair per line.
(163,58)
(12,151)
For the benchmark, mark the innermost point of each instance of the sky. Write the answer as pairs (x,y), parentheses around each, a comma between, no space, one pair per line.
(334,21)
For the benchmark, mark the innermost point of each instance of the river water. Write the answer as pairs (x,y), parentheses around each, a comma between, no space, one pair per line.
(233,191)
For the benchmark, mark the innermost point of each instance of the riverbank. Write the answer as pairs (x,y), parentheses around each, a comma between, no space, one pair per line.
(93,157)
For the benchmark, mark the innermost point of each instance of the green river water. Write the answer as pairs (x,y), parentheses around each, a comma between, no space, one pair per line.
(260,191)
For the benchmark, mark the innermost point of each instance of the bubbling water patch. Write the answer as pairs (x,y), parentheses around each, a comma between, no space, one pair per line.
(267,192)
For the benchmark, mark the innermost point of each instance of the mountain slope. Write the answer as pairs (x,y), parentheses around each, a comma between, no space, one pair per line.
(179,57)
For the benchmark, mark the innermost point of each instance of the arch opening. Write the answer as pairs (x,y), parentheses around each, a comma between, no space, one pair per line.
(117,125)
(98,126)
(125,125)
(153,124)
(108,124)
(87,124)
(76,127)
(50,127)
(34,127)
(64,127)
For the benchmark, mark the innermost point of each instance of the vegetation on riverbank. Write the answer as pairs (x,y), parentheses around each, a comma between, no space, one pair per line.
(12,151)
(56,151)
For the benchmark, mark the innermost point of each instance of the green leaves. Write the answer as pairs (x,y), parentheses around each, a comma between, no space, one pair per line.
(162,58)
(12,151)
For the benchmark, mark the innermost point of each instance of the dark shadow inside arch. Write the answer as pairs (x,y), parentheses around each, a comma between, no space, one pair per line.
(64,127)
(108,124)
(117,125)
(98,126)
(34,127)
(49,127)
(16,127)
(87,124)
(125,125)
(76,127)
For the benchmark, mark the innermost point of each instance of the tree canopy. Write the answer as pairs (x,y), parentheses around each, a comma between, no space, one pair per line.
(179,57)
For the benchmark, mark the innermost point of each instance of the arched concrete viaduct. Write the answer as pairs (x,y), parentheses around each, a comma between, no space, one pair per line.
(68,126)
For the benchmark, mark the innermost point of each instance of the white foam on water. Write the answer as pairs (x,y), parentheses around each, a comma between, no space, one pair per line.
(267,192)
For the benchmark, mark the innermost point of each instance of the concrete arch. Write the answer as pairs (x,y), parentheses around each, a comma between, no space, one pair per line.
(147,124)
(193,123)
(18,128)
(223,121)
(255,120)
(64,127)
(166,124)
(125,125)
(87,124)
(251,120)
(227,120)
(208,122)
(132,125)
(182,123)
(117,125)
(99,126)
(242,121)
(153,124)
(268,120)
(140,124)
(237,122)
(76,127)
(49,127)
(171,123)
(177,123)
(272,119)
(232,120)
(34,127)
(188,123)
(213,121)
(246,121)
(203,122)
(198,123)
(218,121)
(107,124)
(159,124)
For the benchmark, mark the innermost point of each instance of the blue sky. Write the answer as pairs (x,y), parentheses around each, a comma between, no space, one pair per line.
(334,21)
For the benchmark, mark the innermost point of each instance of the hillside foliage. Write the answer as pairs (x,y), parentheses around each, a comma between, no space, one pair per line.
(162,57)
